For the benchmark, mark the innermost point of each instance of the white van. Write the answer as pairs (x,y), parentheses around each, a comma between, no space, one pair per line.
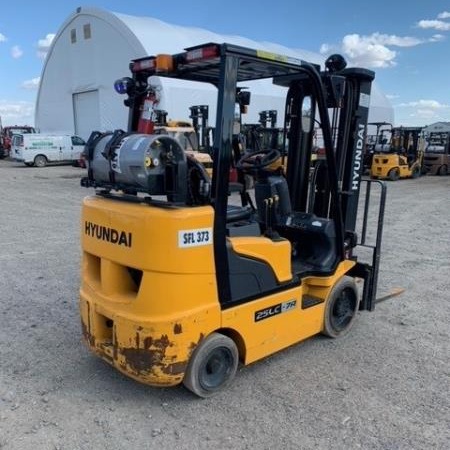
(40,149)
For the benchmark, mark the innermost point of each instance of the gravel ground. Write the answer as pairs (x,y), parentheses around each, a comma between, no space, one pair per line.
(383,386)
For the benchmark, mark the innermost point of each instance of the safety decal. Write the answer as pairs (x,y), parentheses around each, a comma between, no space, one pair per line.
(364,100)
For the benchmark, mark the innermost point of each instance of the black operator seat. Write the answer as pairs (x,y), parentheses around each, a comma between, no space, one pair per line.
(236,213)
(313,238)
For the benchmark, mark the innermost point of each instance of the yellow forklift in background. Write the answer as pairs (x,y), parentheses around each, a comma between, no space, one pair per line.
(181,281)
(187,135)
(402,158)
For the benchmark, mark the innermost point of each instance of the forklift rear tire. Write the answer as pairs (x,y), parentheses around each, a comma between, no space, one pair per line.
(394,174)
(443,170)
(212,366)
(341,308)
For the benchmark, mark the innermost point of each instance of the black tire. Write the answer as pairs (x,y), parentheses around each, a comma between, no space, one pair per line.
(212,366)
(443,170)
(341,308)
(415,173)
(28,164)
(40,161)
(394,174)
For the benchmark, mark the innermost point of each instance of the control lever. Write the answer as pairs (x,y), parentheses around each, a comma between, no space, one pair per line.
(271,205)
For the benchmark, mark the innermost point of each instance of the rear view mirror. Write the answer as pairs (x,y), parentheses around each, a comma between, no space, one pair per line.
(306,114)
(243,98)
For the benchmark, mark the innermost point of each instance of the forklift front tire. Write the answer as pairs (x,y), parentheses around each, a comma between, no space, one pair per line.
(212,366)
(415,172)
(394,174)
(341,308)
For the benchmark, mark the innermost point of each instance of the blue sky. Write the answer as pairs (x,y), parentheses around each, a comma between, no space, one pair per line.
(407,43)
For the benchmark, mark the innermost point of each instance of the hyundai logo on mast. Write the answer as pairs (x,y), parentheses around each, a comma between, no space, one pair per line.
(358,157)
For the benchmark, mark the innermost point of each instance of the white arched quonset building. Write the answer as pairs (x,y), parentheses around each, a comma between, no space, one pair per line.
(93,48)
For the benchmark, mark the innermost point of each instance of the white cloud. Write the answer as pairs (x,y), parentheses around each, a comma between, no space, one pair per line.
(427,114)
(427,104)
(364,50)
(420,112)
(3,38)
(16,52)
(16,113)
(375,50)
(391,39)
(392,96)
(325,49)
(444,15)
(437,38)
(434,24)
(31,84)
(44,45)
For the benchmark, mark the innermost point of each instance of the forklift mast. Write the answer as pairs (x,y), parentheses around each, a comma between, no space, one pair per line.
(268,116)
(200,115)
(406,139)
(351,141)
(335,187)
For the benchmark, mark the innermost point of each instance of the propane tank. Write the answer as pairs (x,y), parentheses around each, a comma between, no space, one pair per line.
(139,161)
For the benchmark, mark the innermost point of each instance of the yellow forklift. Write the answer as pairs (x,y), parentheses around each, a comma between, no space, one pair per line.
(180,280)
(402,158)
(187,134)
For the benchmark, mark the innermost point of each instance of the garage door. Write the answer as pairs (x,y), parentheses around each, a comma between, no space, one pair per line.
(86,109)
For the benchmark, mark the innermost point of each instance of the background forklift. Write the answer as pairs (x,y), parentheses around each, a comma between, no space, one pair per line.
(192,136)
(376,143)
(264,134)
(404,156)
(437,154)
(181,281)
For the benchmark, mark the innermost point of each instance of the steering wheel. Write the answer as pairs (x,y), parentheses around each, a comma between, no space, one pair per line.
(258,160)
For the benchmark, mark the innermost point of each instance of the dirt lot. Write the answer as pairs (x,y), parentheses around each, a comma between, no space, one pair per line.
(384,386)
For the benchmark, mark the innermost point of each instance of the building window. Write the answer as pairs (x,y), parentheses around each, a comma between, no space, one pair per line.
(87,31)
(73,35)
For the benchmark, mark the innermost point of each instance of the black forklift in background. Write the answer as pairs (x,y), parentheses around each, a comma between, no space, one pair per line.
(180,280)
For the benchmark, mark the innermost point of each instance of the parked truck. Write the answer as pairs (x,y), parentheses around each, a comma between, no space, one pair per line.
(7,134)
